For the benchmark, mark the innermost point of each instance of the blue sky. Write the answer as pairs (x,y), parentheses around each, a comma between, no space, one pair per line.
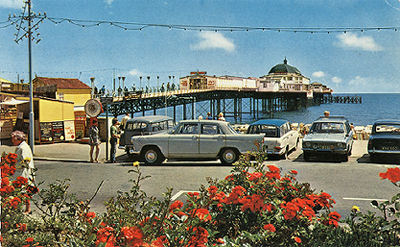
(347,62)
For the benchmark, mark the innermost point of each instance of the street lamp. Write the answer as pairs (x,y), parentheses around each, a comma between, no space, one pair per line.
(92,86)
(123,82)
(140,78)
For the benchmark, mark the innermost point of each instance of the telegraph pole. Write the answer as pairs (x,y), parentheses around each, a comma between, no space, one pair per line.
(31,114)
(27,33)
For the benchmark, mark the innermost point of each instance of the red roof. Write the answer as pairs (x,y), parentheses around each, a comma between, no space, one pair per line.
(62,83)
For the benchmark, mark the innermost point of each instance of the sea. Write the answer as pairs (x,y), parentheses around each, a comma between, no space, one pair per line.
(374,106)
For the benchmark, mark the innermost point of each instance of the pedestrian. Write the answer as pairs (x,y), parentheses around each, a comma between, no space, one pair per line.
(114,138)
(25,159)
(209,117)
(221,117)
(326,114)
(94,140)
(124,120)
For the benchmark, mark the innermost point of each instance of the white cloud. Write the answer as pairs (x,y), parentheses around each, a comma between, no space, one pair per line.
(359,81)
(318,74)
(213,40)
(353,41)
(134,72)
(11,4)
(108,2)
(336,79)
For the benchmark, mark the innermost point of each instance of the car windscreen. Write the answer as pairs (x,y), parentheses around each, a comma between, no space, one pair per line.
(387,128)
(327,127)
(268,130)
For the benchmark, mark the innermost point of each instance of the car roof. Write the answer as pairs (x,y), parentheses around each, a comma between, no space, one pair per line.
(387,121)
(276,122)
(337,119)
(203,121)
(150,119)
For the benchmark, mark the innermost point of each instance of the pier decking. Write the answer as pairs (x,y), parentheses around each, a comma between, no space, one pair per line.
(232,102)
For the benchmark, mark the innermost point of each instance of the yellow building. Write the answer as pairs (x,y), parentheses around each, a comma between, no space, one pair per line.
(72,90)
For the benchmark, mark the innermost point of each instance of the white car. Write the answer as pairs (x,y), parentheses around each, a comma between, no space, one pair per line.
(195,139)
(279,137)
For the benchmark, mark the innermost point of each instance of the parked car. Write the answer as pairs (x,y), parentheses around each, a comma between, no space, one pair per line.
(329,135)
(195,139)
(146,125)
(279,137)
(384,140)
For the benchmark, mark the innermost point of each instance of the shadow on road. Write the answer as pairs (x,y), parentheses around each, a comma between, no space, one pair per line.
(381,160)
(318,158)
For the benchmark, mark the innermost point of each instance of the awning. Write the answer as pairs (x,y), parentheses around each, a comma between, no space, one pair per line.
(14,102)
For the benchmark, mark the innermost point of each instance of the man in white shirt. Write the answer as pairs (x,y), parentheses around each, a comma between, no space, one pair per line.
(124,120)
(24,158)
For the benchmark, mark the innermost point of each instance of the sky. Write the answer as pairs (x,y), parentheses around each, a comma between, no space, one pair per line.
(351,61)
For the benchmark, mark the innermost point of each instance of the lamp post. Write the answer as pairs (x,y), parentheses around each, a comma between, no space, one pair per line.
(148,81)
(158,83)
(92,86)
(123,82)
(140,78)
(31,114)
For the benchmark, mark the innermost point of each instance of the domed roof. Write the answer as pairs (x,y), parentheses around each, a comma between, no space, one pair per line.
(284,68)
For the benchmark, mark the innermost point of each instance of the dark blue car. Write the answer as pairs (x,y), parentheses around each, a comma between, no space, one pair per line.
(384,140)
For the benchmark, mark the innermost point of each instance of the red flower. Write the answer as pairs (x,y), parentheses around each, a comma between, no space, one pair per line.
(297,239)
(199,237)
(133,236)
(294,172)
(254,202)
(105,235)
(393,174)
(19,182)
(269,227)
(29,240)
(202,213)
(14,202)
(5,182)
(255,176)
(177,204)
(212,190)
(21,227)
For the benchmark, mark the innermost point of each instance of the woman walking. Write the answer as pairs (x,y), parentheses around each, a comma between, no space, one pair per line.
(94,140)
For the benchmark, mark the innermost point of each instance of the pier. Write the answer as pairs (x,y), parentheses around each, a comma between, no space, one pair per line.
(233,103)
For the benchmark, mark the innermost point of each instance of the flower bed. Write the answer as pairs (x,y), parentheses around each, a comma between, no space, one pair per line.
(255,205)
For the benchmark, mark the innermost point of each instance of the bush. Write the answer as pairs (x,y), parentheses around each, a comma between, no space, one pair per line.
(255,205)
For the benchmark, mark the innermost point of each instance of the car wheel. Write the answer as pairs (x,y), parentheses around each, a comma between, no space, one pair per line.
(297,145)
(306,156)
(229,156)
(152,156)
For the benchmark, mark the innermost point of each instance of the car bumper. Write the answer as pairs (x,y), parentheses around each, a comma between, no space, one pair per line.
(374,151)
(319,150)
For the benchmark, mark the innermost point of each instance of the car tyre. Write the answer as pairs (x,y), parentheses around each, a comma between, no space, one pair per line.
(229,156)
(306,156)
(152,156)
(345,157)
(285,155)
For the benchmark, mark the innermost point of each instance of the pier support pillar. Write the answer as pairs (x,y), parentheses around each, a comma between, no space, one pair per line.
(184,111)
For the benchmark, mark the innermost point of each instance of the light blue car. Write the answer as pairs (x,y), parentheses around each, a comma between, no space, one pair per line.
(329,135)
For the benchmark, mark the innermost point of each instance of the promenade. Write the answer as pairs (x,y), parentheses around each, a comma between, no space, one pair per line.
(77,152)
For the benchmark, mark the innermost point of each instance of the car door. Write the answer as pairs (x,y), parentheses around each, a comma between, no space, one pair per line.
(184,142)
(211,140)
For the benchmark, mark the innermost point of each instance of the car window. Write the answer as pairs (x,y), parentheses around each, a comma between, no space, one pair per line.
(388,128)
(268,130)
(209,129)
(327,127)
(136,126)
(187,129)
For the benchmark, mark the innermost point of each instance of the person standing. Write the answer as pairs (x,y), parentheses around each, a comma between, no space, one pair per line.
(94,140)
(209,117)
(114,131)
(221,117)
(25,159)
(326,114)
(124,120)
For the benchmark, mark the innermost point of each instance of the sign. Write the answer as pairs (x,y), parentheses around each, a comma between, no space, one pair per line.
(80,115)
(69,130)
(6,128)
(46,132)
(80,128)
(198,73)
(58,131)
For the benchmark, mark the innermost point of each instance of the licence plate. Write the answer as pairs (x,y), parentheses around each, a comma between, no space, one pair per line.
(390,148)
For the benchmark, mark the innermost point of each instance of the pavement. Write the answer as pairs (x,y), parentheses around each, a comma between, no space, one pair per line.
(68,151)
(78,152)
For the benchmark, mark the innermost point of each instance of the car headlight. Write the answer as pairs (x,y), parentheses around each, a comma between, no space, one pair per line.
(315,145)
(306,144)
(341,145)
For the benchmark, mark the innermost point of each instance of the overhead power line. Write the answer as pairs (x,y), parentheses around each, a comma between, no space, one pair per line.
(139,26)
